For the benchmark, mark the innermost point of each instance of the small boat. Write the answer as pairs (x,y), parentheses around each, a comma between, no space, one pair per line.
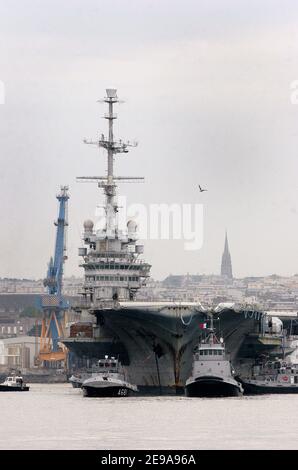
(108,381)
(77,379)
(212,373)
(276,376)
(14,383)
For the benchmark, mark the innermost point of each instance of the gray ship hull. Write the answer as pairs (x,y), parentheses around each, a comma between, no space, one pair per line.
(155,341)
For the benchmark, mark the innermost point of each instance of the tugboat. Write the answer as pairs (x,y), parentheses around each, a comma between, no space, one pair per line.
(14,383)
(109,381)
(212,373)
(276,376)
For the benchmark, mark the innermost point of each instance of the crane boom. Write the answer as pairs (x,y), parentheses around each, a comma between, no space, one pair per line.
(53,281)
(54,303)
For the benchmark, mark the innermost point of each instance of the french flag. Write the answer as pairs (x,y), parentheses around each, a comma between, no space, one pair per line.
(202,326)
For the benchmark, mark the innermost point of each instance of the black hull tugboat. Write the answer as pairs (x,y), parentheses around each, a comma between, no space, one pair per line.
(212,373)
(14,383)
(213,387)
(109,381)
(276,376)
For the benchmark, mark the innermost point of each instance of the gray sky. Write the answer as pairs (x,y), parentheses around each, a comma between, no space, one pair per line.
(207,91)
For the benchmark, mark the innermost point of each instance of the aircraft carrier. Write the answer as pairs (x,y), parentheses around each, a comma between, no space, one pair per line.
(153,340)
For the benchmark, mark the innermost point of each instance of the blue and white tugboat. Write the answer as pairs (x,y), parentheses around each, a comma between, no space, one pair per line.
(14,383)
(212,373)
(108,381)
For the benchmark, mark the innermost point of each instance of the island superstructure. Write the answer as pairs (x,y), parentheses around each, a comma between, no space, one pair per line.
(111,258)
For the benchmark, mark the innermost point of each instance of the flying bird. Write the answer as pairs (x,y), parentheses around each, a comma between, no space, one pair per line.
(202,190)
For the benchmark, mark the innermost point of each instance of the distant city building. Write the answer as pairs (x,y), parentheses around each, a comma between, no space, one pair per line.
(18,303)
(226,263)
(18,352)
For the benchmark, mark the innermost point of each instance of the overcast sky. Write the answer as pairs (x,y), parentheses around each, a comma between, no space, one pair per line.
(207,92)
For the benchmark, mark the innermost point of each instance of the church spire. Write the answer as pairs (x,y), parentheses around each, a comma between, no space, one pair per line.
(226,263)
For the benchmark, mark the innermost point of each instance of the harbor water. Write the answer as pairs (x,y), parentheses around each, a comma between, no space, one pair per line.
(56,416)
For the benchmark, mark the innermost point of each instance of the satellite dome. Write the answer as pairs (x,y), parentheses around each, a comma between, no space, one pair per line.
(88,225)
(131,226)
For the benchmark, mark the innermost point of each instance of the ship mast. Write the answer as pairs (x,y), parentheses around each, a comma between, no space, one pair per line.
(112,268)
(112,147)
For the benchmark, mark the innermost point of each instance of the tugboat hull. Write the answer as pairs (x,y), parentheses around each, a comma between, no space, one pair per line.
(212,387)
(258,389)
(7,388)
(105,391)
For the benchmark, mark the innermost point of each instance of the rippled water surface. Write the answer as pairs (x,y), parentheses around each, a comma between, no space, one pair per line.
(59,417)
